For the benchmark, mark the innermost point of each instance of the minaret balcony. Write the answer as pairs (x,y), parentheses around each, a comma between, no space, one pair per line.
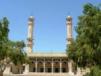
(69,39)
(29,39)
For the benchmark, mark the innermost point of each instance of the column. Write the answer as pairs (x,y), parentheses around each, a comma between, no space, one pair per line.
(26,69)
(44,66)
(60,66)
(52,66)
(70,67)
(36,65)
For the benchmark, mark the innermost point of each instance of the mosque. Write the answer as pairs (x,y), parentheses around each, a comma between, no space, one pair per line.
(45,64)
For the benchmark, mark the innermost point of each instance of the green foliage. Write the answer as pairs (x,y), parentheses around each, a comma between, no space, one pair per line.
(10,51)
(85,50)
(17,54)
(3,37)
(88,41)
(95,71)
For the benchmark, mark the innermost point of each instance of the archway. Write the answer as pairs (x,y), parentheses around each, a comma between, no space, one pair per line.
(48,67)
(56,67)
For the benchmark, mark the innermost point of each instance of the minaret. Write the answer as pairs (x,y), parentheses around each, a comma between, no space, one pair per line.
(69,29)
(69,41)
(30,34)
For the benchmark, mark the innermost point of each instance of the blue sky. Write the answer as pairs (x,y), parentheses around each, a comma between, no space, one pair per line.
(50,20)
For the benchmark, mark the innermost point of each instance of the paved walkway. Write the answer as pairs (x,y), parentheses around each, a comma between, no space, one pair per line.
(41,74)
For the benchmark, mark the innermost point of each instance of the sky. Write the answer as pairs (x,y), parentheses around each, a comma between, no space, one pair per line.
(50,21)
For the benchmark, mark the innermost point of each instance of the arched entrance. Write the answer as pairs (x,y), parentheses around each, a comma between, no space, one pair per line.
(40,67)
(48,67)
(56,67)
(64,67)
(32,67)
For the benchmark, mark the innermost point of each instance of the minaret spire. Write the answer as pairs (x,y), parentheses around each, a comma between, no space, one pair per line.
(69,29)
(30,34)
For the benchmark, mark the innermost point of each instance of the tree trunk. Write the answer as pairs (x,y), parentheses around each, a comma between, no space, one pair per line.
(1,73)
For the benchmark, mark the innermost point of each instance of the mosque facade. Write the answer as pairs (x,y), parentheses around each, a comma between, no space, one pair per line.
(45,64)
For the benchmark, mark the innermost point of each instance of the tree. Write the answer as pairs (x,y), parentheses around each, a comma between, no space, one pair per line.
(88,41)
(95,71)
(3,41)
(10,51)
